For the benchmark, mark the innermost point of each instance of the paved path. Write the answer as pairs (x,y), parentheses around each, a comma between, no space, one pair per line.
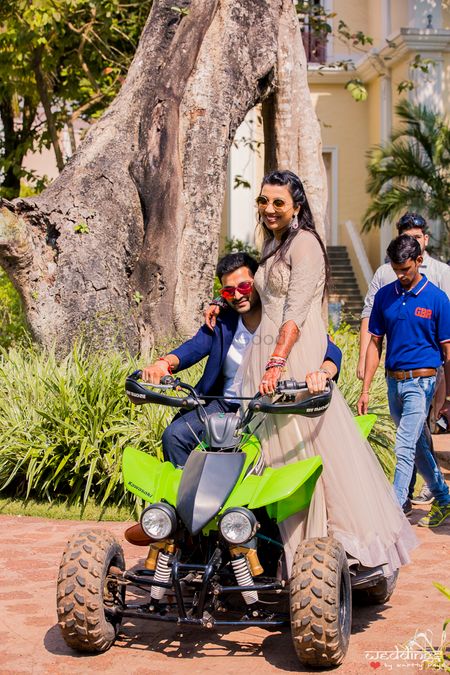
(30,641)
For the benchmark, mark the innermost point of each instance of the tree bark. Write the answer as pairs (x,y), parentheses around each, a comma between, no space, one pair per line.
(291,128)
(121,248)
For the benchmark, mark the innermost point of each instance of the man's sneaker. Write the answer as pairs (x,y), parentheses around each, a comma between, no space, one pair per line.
(437,516)
(407,508)
(425,496)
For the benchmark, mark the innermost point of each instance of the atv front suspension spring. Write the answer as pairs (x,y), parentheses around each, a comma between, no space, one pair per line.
(162,574)
(244,578)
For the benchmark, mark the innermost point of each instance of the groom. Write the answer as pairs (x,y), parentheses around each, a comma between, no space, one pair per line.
(224,346)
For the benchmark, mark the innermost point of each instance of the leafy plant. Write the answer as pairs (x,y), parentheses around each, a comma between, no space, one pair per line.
(81,228)
(62,61)
(64,425)
(382,436)
(433,658)
(411,171)
(13,328)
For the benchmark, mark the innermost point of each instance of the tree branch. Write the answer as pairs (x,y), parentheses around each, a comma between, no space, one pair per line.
(45,100)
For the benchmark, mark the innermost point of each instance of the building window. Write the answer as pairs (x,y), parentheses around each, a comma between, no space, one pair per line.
(314,29)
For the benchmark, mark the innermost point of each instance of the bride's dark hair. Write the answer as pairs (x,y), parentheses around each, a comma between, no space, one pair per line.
(305,220)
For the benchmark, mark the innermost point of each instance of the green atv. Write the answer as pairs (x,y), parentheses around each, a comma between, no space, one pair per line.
(215,554)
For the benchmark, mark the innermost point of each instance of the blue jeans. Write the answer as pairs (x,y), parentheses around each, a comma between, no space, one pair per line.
(409,403)
(186,430)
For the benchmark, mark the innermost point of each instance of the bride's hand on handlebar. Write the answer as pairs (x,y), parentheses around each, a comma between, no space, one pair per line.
(269,381)
(316,381)
(155,372)
(211,312)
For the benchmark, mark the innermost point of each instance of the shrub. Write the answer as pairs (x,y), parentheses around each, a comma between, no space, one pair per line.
(382,436)
(13,327)
(63,425)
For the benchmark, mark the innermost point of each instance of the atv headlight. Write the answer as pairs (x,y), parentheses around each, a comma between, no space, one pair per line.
(238,525)
(159,521)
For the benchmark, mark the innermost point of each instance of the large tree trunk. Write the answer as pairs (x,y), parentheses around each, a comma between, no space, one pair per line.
(291,128)
(122,246)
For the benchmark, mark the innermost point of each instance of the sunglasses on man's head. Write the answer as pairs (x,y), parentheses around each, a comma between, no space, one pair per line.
(278,203)
(412,221)
(244,288)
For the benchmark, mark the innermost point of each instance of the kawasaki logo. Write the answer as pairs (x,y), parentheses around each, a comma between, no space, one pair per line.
(149,494)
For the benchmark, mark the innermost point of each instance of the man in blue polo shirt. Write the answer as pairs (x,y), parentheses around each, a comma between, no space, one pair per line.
(415,317)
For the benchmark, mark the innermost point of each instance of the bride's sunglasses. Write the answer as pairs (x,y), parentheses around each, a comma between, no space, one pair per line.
(244,288)
(279,205)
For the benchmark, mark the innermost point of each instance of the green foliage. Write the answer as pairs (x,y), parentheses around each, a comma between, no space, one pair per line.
(357,89)
(235,245)
(240,181)
(75,54)
(81,228)
(13,328)
(137,297)
(64,424)
(418,63)
(411,171)
(382,436)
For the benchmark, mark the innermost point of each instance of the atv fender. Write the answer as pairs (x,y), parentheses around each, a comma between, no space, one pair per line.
(365,423)
(149,478)
(283,491)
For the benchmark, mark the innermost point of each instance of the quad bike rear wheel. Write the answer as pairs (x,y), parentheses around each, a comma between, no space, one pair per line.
(378,594)
(87,592)
(321,602)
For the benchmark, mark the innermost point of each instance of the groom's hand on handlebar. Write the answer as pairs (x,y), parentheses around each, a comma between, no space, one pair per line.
(155,372)
(317,381)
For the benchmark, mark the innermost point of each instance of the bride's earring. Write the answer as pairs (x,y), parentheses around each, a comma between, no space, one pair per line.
(294,222)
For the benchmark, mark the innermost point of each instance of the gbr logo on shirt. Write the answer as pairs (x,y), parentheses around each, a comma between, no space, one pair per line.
(423,313)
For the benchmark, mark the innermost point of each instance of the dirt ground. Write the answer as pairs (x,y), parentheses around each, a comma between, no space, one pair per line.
(30,551)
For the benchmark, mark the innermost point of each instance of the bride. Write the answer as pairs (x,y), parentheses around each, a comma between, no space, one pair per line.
(353,500)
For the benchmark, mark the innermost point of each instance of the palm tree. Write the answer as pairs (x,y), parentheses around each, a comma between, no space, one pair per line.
(411,171)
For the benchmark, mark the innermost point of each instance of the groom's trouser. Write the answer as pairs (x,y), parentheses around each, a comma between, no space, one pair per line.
(186,431)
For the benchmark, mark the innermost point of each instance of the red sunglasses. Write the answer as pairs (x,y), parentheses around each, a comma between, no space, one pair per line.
(244,288)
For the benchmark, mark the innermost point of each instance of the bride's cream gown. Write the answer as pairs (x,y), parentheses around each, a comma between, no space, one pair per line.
(353,500)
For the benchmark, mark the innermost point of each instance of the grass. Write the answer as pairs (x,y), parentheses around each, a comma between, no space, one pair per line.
(64,511)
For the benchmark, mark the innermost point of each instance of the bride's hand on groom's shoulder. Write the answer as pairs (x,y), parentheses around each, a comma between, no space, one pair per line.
(210,314)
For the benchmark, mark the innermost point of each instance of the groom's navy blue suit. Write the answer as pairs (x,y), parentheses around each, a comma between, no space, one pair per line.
(181,436)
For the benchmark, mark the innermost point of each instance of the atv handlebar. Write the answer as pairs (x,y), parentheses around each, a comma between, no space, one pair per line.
(291,390)
(140,392)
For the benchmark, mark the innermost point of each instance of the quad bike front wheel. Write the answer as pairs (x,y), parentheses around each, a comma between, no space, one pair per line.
(321,602)
(87,591)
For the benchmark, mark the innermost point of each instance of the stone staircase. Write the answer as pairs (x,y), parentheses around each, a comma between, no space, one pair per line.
(344,285)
